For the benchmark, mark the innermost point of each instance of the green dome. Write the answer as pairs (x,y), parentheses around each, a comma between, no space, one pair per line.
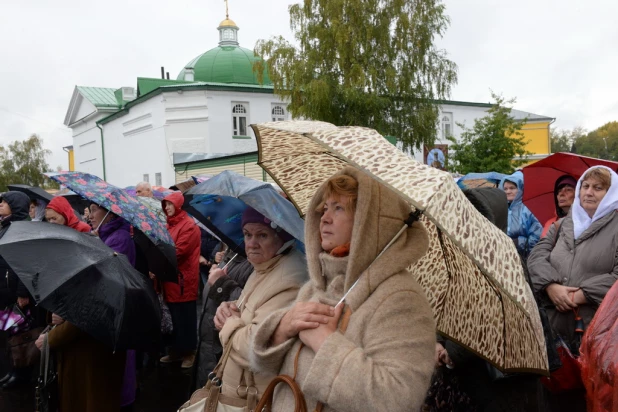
(225,64)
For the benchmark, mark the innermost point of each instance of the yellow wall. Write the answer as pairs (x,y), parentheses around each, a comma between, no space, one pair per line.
(537,135)
(71,160)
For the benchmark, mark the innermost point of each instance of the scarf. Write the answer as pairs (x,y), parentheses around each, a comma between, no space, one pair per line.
(609,203)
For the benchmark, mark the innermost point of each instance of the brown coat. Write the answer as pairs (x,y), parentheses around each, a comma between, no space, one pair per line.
(272,286)
(384,360)
(590,262)
(89,374)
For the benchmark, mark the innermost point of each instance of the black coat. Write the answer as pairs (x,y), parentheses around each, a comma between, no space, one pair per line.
(10,285)
(226,288)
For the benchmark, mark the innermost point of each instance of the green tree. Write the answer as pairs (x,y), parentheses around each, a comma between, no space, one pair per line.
(494,144)
(562,139)
(366,63)
(601,143)
(23,162)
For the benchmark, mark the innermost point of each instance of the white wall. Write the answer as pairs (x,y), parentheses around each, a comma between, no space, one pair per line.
(87,145)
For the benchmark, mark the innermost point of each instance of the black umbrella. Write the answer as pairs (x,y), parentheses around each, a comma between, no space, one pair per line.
(33,192)
(78,277)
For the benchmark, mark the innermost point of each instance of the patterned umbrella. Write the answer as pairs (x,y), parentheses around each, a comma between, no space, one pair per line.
(474,180)
(159,192)
(159,249)
(471,274)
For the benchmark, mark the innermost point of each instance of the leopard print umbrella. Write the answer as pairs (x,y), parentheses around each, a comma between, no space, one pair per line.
(471,274)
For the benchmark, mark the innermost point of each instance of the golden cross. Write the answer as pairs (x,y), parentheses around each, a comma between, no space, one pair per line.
(227,14)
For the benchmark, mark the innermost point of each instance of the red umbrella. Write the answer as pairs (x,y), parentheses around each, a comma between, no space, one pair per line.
(540,178)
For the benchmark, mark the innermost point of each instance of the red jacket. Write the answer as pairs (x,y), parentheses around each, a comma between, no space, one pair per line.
(62,206)
(186,236)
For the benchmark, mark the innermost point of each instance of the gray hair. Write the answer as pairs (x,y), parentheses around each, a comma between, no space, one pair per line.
(145,185)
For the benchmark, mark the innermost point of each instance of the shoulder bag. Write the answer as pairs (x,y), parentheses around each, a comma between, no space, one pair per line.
(46,392)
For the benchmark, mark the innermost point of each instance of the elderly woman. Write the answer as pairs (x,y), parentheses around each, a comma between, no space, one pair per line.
(524,227)
(576,264)
(383,360)
(37,210)
(564,195)
(279,272)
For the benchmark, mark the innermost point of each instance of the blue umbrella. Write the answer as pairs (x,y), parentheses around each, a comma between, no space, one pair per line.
(220,201)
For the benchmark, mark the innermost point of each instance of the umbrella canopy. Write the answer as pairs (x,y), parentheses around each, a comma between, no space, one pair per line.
(33,192)
(471,274)
(133,211)
(159,192)
(78,277)
(474,180)
(540,178)
(228,193)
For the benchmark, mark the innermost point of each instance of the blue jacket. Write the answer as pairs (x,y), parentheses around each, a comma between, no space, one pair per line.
(524,227)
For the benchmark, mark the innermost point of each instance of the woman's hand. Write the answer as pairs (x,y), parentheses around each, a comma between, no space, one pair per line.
(219,257)
(303,315)
(203,261)
(560,297)
(578,297)
(442,358)
(225,311)
(39,341)
(315,337)
(215,274)
(57,320)
(23,302)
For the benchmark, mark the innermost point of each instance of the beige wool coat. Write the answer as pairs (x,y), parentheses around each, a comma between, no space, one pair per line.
(590,263)
(273,285)
(384,360)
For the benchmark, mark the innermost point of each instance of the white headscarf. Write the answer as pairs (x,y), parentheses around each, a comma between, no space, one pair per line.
(581,220)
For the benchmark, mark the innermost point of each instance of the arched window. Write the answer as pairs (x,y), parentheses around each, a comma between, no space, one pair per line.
(278,113)
(239,120)
(447,126)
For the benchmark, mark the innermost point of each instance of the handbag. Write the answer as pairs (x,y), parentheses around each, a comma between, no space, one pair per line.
(13,320)
(46,392)
(568,377)
(300,404)
(167,326)
(210,399)
(22,348)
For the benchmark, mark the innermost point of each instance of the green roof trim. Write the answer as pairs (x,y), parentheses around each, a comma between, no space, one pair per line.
(241,158)
(241,137)
(391,139)
(99,96)
(145,84)
(225,64)
(188,86)
(460,103)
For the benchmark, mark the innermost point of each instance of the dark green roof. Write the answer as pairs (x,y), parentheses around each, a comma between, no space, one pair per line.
(145,85)
(99,96)
(225,64)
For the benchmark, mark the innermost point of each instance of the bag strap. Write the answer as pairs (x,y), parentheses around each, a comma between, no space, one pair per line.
(557,224)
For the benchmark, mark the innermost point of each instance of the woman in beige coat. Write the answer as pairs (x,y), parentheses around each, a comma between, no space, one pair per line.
(384,359)
(574,267)
(280,271)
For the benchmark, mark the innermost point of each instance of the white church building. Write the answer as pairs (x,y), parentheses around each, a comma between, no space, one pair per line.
(164,131)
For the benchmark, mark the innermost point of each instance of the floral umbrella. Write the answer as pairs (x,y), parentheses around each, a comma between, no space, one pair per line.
(471,274)
(160,246)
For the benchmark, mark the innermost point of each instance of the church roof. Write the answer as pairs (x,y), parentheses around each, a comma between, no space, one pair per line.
(225,64)
(99,96)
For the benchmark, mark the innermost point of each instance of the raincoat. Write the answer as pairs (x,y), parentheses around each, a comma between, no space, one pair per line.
(187,237)
(524,228)
(385,358)
(62,206)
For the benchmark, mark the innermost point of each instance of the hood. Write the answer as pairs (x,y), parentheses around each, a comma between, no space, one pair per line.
(609,203)
(566,179)
(518,179)
(380,214)
(491,203)
(19,203)
(62,206)
(178,200)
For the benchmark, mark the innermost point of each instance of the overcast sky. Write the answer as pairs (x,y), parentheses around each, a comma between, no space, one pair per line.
(558,58)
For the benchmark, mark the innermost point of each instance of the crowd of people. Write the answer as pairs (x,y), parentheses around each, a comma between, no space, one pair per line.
(344,319)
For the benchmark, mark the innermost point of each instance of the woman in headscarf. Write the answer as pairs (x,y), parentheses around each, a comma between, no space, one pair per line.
(564,195)
(383,359)
(279,272)
(181,297)
(37,210)
(524,227)
(577,263)
(59,211)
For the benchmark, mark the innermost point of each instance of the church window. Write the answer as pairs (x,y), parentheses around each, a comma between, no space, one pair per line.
(447,126)
(278,113)
(146,177)
(227,34)
(158,179)
(239,120)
